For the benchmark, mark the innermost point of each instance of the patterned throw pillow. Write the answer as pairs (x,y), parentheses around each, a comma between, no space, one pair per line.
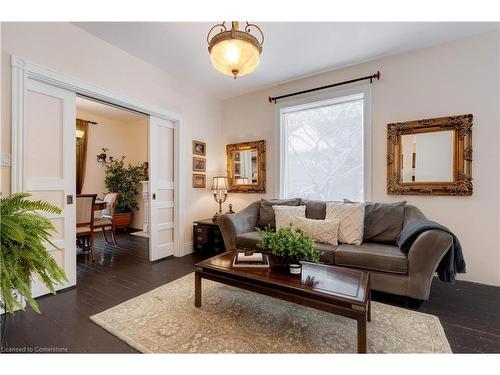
(352,217)
(325,231)
(284,214)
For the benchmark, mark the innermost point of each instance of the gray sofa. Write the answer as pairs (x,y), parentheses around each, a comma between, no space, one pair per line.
(391,270)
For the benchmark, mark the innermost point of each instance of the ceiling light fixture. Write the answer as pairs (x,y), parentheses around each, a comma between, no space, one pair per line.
(235,52)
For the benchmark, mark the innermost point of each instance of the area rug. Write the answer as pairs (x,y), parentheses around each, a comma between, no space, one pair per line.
(232,320)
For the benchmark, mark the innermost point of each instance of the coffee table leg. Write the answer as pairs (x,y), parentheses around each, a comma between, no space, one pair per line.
(197,289)
(362,333)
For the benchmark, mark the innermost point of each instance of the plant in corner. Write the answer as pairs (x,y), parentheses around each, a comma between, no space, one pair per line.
(123,179)
(25,234)
(290,244)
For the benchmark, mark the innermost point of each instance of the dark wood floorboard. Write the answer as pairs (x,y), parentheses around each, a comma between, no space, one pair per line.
(469,312)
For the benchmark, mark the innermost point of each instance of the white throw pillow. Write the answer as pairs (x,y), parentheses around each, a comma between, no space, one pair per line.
(352,218)
(284,214)
(325,231)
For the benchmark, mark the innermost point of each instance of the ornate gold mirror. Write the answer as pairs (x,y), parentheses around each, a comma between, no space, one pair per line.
(430,157)
(246,167)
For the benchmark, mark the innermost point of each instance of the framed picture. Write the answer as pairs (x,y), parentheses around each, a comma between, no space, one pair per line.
(236,156)
(199,148)
(237,169)
(199,180)
(199,164)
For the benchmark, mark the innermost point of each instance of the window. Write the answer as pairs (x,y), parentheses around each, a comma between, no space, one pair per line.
(324,151)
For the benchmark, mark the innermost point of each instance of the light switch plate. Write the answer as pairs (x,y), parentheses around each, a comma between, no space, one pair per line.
(5,159)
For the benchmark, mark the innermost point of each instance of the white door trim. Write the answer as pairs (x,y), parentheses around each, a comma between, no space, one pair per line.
(22,70)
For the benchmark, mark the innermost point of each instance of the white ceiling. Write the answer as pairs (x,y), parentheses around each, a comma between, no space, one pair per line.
(86,108)
(291,49)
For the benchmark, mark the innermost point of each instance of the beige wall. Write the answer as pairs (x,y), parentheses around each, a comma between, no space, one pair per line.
(127,138)
(67,49)
(455,78)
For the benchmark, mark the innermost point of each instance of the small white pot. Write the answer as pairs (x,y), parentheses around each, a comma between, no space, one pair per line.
(295,269)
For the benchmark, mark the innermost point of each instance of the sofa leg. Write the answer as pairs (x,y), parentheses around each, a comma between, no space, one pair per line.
(413,303)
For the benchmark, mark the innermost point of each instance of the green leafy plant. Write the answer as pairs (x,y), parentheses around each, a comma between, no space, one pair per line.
(25,235)
(290,243)
(123,179)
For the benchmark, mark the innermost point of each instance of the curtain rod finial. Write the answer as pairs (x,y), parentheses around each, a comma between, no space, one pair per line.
(270,100)
(377,75)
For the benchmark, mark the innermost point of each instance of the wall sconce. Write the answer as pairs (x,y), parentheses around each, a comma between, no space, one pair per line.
(103,159)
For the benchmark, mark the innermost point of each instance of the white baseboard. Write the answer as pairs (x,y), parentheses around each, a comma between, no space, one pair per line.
(188,247)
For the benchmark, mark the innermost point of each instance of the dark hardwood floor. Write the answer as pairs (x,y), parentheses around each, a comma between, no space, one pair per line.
(469,312)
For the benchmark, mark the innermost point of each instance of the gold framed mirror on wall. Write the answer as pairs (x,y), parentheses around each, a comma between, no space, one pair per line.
(246,167)
(430,157)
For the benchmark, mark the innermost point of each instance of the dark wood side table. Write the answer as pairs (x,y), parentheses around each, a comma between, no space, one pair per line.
(207,236)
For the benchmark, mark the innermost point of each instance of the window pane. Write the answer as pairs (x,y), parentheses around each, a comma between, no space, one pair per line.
(324,148)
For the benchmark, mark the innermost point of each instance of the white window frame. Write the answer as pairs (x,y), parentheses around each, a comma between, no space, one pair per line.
(327,98)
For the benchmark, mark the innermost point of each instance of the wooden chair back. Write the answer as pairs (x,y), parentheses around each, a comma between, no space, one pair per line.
(111,199)
(85,209)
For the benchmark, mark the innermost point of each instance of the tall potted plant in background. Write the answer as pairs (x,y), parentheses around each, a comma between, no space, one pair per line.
(123,179)
(25,233)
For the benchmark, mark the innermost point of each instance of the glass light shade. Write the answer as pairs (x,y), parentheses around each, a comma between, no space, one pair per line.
(79,133)
(235,57)
(219,183)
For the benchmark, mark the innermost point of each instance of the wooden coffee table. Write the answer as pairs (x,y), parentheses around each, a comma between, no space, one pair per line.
(341,291)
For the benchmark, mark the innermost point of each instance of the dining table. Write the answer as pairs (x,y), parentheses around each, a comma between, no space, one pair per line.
(100,205)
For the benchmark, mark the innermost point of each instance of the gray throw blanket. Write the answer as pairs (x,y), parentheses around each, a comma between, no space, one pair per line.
(453,261)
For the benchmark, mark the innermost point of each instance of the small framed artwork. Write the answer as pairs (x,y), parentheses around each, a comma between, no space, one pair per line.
(199,164)
(199,181)
(236,156)
(199,148)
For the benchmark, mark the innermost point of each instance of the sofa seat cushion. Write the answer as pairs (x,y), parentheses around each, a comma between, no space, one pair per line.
(372,256)
(251,239)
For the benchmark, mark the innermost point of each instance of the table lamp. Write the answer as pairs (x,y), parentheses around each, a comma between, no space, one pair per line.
(219,187)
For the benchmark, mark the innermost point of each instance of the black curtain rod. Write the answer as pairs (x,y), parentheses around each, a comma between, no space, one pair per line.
(371,78)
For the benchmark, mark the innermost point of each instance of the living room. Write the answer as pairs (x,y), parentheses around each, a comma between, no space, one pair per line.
(283,197)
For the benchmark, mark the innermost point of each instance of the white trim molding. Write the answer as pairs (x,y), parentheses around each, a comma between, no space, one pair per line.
(22,70)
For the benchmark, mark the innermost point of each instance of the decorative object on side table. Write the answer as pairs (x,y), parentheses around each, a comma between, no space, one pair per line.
(199,181)
(219,187)
(207,236)
(288,246)
(230,211)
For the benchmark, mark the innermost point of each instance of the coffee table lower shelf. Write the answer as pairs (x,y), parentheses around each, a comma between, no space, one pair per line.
(359,311)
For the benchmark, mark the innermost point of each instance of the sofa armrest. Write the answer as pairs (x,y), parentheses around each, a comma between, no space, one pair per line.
(423,259)
(232,225)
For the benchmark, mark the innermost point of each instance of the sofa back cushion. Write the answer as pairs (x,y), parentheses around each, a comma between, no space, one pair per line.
(266,212)
(315,209)
(383,222)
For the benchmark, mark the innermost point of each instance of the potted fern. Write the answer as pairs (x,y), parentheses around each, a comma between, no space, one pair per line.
(288,246)
(25,233)
(123,179)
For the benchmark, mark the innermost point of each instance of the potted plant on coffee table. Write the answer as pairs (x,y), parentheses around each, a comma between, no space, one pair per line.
(25,235)
(288,246)
(123,179)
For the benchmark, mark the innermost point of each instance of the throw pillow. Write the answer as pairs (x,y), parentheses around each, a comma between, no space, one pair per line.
(352,217)
(325,231)
(266,212)
(284,214)
(383,222)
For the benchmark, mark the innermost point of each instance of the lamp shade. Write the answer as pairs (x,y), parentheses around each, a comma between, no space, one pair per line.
(220,183)
(235,57)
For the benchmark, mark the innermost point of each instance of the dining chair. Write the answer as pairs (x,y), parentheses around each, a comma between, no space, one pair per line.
(85,222)
(106,221)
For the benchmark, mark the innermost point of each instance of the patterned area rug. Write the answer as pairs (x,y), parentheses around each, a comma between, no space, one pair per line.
(232,320)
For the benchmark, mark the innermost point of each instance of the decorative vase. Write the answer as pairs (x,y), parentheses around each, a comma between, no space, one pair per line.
(295,268)
(122,220)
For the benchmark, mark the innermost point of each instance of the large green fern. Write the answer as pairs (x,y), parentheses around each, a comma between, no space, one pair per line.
(25,236)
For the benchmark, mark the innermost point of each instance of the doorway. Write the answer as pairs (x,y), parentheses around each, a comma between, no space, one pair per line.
(44,163)
(112,167)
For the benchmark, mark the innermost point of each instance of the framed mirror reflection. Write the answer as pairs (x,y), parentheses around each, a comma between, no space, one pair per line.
(430,157)
(246,166)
